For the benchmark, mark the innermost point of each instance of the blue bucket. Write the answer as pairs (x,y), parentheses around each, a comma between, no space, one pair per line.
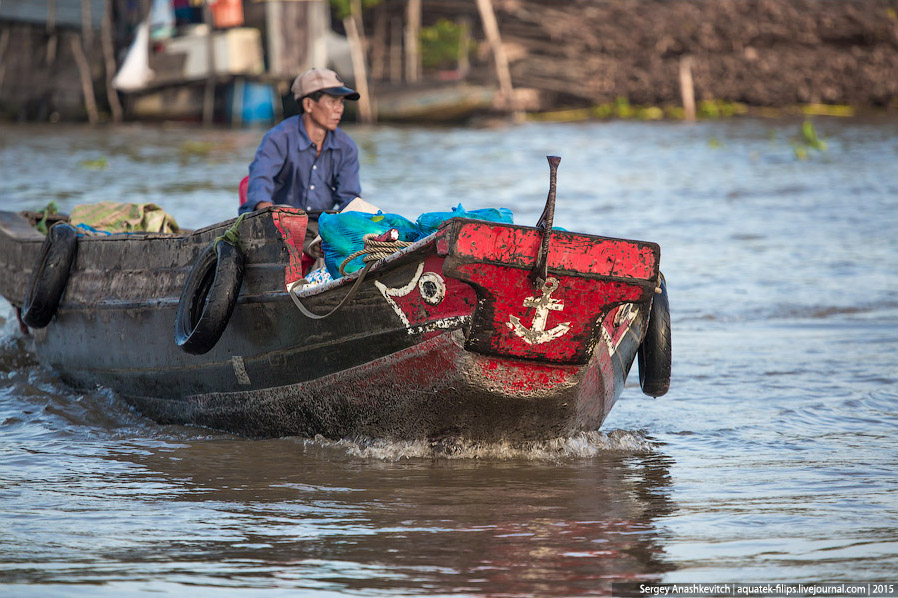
(252,103)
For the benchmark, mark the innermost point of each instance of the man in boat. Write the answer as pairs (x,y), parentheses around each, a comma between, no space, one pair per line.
(306,161)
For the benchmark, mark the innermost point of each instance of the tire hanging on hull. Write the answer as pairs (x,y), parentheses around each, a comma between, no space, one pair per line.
(209,297)
(654,354)
(50,276)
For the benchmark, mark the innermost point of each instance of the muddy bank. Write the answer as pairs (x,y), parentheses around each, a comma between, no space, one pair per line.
(561,54)
(759,52)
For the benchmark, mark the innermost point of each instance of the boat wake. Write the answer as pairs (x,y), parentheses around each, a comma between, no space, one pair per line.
(584,445)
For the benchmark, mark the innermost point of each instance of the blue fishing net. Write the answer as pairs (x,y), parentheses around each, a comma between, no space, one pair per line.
(429,222)
(343,234)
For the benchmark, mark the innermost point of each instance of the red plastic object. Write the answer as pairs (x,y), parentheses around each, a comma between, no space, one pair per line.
(387,236)
(227,13)
(244,184)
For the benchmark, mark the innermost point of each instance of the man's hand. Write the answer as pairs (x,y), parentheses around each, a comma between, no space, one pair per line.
(263,204)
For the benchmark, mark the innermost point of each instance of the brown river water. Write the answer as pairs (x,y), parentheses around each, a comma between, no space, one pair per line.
(772,459)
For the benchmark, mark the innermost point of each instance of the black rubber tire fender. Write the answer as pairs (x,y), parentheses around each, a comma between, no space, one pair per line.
(654,353)
(50,275)
(209,297)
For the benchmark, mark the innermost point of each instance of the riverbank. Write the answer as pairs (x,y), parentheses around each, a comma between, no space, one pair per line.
(760,53)
(570,60)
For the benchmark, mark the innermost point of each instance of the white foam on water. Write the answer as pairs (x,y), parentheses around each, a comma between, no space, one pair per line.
(583,445)
(9,325)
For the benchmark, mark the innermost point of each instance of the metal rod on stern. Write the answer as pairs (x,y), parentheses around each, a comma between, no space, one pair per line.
(541,270)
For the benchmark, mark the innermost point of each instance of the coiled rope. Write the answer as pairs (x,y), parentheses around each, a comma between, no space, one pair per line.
(374,250)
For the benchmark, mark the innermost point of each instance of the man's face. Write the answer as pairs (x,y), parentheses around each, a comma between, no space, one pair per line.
(326,112)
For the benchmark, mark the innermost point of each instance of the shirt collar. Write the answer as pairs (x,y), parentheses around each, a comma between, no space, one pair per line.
(305,142)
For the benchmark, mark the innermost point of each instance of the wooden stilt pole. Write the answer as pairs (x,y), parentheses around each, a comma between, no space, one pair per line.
(412,35)
(464,42)
(503,73)
(87,30)
(274,25)
(379,44)
(687,88)
(115,105)
(87,86)
(356,35)
(51,29)
(396,51)
(209,94)
(4,43)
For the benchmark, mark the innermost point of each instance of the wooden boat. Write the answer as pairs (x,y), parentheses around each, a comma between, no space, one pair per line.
(436,103)
(482,330)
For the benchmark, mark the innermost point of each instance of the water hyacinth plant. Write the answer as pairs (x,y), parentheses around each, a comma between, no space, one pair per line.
(808,139)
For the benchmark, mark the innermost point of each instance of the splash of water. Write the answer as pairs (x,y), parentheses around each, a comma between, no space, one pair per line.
(583,445)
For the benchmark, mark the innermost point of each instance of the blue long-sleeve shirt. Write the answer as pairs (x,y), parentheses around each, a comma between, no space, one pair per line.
(285,170)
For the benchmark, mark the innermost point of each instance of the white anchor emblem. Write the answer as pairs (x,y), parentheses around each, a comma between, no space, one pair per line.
(537,333)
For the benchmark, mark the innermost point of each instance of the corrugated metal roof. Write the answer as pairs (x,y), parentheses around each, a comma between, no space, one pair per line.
(68,12)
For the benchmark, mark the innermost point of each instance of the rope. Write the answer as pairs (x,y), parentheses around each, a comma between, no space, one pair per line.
(374,250)
(346,298)
(231,235)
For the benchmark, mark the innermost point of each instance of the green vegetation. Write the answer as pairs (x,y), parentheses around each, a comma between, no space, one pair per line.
(808,139)
(440,44)
(100,163)
(196,148)
(711,109)
(705,110)
(51,210)
(827,110)
(622,109)
(343,9)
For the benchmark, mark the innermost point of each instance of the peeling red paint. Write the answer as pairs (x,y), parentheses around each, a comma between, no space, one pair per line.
(556,320)
(584,254)
(524,376)
(459,298)
(503,292)
(442,244)
(291,224)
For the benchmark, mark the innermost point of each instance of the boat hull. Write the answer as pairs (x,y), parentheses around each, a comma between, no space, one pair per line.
(430,391)
(394,362)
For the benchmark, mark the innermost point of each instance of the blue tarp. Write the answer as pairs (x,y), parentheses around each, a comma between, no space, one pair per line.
(343,234)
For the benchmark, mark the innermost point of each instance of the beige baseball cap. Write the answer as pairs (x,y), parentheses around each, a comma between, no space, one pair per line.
(324,80)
